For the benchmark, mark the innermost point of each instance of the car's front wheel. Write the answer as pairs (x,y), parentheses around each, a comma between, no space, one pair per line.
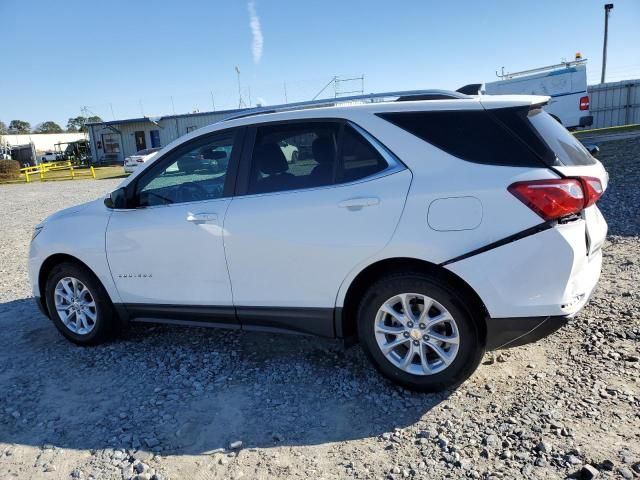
(417,332)
(79,305)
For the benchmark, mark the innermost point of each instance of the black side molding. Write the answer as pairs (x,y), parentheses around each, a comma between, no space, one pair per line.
(499,243)
(516,331)
(314,321)
(193,313)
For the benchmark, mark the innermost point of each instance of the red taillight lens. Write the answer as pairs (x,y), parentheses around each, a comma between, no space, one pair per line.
(584,103)
(551,199)
(593,190)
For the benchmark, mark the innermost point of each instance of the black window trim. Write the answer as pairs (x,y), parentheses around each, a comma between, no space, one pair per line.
(244,173)
(171,156)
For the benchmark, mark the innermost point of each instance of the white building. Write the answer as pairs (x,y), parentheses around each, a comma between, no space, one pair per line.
(114,141)
(43,142)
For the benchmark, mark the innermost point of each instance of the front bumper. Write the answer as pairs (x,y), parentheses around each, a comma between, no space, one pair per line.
(513,332)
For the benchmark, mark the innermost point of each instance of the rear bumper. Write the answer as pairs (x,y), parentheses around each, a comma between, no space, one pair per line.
(586,121)
(513,332)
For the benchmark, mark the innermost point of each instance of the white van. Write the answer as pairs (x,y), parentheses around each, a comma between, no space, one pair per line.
(565,83)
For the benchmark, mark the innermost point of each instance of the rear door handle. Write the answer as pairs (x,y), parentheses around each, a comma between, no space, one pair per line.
(202,217)
(359,203)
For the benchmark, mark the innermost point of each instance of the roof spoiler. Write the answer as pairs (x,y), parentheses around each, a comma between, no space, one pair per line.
(470,89)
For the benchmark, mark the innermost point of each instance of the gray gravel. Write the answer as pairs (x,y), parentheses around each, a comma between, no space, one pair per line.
(167,402)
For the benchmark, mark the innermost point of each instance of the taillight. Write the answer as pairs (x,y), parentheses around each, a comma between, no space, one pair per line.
(593,190)
(557,198)
(584,103)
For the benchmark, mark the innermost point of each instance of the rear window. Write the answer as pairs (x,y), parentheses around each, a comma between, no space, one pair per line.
(567,148)
(472,135)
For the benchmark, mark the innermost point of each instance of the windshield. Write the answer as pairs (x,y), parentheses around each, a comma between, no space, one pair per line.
(567,148)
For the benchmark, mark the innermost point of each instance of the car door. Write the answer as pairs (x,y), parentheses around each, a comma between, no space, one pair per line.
(296,229)
(167,255)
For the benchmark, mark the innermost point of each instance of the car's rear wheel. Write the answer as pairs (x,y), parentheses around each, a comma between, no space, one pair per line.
(79,305)
(418,333)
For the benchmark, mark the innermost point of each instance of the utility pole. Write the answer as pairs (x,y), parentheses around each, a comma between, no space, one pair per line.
(213,102)
(607,9)
(286,100)
(240,101)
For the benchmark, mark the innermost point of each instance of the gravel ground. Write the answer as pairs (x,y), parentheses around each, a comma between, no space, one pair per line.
(167,402)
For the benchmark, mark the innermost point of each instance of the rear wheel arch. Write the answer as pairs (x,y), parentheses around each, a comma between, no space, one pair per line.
(346,318)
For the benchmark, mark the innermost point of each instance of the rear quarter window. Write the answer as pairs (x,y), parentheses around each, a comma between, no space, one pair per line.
(471,135)
(568,149)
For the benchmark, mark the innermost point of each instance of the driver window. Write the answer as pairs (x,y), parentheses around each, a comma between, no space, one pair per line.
(193,176)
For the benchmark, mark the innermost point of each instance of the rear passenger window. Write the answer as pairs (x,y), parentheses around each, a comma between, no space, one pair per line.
(359,158)
(302,155)
(293,156)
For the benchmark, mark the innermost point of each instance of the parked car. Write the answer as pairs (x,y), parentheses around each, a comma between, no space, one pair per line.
(49,157)
(425,230)
(565,83)
(133,161)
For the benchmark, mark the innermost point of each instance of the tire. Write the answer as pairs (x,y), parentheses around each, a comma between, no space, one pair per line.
(98,329)
(463,358)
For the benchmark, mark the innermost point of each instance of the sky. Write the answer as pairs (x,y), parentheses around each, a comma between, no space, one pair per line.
(124,58)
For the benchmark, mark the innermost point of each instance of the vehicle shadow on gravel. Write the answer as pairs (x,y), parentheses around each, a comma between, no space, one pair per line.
(189,391)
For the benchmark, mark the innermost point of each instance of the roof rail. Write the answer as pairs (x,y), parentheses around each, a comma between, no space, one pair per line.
(400,96)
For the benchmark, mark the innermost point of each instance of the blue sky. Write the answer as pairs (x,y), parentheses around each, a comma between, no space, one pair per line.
(154,57)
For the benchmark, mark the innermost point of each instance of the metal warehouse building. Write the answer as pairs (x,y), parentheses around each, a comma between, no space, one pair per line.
(116,140)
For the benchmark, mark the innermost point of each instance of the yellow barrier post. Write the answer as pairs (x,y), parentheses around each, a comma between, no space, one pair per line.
(26,174)
(72,175)
(93,172)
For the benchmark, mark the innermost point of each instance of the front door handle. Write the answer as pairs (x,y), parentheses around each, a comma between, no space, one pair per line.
(202,217)
(359,203)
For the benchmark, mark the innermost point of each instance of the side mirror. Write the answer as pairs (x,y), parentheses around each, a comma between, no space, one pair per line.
(117,199)
(593,149)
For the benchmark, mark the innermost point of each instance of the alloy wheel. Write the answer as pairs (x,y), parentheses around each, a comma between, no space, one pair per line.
(416,334)
(75,305)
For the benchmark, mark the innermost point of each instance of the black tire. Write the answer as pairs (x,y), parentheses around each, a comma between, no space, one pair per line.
(105,322)
(470,348)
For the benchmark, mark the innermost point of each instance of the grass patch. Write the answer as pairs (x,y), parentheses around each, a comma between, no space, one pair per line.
(601,131)
(102,173)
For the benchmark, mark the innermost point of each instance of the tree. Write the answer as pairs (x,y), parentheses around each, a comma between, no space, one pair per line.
(79,124)
(3,128)
(19,126)
(48,127)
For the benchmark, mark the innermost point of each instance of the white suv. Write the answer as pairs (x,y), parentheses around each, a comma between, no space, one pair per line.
(428,229)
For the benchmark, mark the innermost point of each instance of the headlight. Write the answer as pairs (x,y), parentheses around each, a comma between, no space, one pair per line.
(36,231)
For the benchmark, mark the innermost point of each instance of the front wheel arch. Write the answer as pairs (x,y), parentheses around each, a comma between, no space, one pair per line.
(49,264)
